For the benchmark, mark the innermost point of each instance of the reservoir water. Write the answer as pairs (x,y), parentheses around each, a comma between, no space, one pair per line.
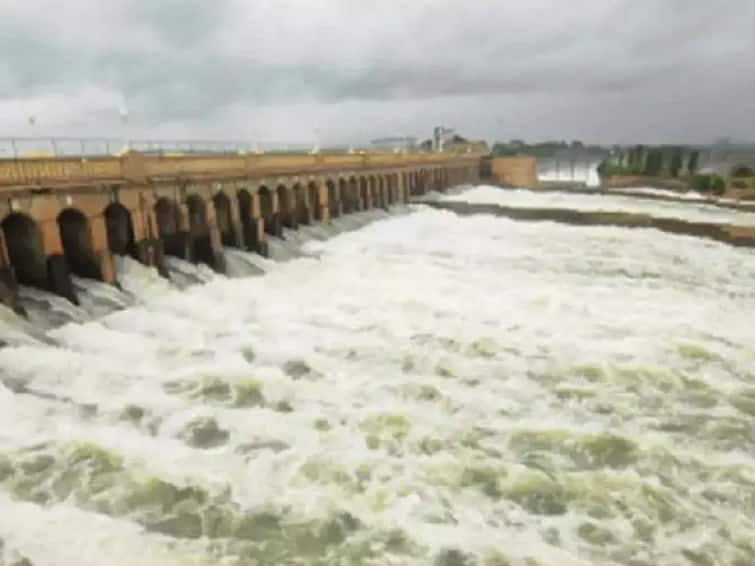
(407,389)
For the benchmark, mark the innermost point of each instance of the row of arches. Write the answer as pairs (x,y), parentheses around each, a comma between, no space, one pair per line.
(190,236)
(31,265)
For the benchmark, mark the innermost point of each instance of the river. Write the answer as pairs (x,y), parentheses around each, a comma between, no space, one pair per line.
(424,389)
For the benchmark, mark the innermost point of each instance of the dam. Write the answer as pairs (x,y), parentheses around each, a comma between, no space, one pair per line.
(68,215)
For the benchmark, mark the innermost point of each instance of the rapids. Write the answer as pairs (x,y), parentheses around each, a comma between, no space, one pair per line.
(422,390)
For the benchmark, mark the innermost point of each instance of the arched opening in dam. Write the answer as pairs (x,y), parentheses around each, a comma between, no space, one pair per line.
(223,218)
(246,214)
(199,231)
(354,194)
(266,209)
(77,244)
(169,228)
(300,199)
(26,254)
(313,198)
(332,199)
(285,207)
(346,202)
(120,229)
(364,196)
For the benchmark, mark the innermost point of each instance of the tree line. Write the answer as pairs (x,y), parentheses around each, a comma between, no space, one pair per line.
(654,161)
(671,162)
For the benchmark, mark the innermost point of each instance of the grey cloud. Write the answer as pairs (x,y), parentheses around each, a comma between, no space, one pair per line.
(174,60)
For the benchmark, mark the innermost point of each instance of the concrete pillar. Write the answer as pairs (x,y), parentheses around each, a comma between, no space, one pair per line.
(308,210)
(98,228)
(277,228)
(236,224)
(255,236)
(312,200)
(301,210)
(289,218)
(324,204)
(8,284)
(217,260)
(148,247)
(178,243)
(403,190)
(261,246)
(356,204)
(205,242)
(150,252)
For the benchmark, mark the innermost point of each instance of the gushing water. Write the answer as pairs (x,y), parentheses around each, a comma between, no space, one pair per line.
(425,390)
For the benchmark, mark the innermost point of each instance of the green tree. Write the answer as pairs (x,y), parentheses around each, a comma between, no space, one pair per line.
(676,162)
(718,185)
(641,156)
(708,184)
(692,163)
(654,162)
(636,157)
(742,171)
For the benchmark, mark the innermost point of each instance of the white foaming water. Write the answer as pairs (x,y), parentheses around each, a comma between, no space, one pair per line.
(583,173)
(564,199)
(688,195)
(430,389)
(184,273)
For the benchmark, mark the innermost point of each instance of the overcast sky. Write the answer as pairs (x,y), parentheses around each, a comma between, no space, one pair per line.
(349,70)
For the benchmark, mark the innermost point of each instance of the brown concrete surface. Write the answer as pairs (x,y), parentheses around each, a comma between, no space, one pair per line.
(516,171)
(69,215)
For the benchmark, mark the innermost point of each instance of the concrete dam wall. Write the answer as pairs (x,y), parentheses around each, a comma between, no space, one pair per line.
(63,216)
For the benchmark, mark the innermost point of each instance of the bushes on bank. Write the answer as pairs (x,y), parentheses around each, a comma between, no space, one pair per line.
(708,184)
(607,168)
(742,171)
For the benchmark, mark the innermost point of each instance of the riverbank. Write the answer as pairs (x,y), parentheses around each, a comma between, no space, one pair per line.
(648,192)
(740,236)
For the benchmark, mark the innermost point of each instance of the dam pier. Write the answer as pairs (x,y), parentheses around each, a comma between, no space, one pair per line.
(69,215)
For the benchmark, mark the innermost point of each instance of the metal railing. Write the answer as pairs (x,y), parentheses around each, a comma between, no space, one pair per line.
(30,147)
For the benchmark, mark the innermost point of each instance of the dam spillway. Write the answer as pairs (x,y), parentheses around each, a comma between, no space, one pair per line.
(67,216)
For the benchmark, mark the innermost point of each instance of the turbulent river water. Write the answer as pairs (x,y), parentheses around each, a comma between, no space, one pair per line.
(420,389)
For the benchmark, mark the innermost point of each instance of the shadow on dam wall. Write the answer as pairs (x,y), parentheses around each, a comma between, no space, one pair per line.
(741,236)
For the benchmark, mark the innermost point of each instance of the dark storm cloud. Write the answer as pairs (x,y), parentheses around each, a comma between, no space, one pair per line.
(173,60)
